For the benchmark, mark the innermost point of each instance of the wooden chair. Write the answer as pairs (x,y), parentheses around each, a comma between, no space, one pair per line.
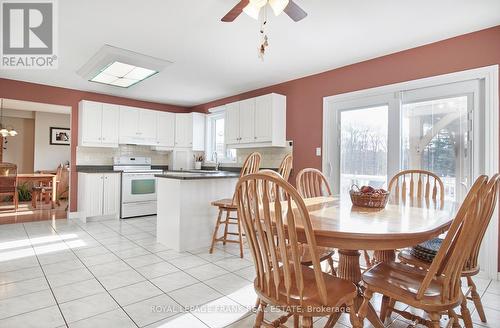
(471,266)
(8,182)
(228,206)
(438,289)
(419,187)
(312,183)
(43,191)
(285,168)
(62,177)
(416,187)
(282,282)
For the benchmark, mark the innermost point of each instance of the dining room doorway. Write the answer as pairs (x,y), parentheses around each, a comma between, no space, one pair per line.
(37,157)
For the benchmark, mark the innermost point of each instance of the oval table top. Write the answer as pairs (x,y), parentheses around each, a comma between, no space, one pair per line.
(339,224)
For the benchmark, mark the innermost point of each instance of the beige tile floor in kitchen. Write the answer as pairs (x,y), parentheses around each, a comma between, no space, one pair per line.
(113,274)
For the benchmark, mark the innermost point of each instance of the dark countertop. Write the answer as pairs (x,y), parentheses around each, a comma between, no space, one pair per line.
(109,168)
(192,175)
(235,168)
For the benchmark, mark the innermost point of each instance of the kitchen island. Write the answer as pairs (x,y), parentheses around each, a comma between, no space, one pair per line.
(185,218)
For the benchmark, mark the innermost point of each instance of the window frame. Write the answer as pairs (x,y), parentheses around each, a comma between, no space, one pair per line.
(210,146)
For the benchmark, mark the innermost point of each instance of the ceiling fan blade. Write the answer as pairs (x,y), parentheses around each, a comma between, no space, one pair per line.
(294,11)
(235,12)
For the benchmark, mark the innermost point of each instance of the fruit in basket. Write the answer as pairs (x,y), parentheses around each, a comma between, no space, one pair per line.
(367,189)
(371,190)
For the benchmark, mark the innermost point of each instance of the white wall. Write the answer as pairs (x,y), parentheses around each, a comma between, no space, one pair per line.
(47,156)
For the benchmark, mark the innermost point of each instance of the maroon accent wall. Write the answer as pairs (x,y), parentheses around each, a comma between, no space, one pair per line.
(305,95)
(19,90)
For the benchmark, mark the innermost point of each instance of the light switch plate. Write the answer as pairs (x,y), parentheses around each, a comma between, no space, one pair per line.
(318,151)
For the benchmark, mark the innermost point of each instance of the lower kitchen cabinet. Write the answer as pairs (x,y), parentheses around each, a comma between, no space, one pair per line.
(99,195)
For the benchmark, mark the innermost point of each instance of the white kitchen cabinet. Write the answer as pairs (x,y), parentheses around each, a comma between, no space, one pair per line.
(256,122)
(137,126)
(232,123)
(148,126)
(110,125)
(247,121)
(129,124)
(99,195)
(190,131)
(183,130)
(97,124)
(166,130)
(111,194)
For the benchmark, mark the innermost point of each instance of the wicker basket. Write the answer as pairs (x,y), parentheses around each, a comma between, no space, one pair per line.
(372,200)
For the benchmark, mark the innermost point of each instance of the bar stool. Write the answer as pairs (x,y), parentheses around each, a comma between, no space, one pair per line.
(228,206)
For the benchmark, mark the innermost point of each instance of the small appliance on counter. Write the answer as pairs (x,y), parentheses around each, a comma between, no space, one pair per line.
(138,186)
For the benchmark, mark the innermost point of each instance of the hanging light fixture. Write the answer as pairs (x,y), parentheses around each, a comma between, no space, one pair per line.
(5,131)
(278,6)
(253,8)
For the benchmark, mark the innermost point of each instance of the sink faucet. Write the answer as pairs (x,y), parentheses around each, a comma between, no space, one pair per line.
(215,158)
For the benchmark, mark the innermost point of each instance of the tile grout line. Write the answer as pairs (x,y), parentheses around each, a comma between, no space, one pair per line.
(182,270)
(45,276)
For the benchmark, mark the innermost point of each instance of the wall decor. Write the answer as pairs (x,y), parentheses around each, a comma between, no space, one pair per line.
(60,136)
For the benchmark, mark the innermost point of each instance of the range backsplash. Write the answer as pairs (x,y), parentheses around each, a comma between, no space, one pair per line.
(271,156)
(104,156)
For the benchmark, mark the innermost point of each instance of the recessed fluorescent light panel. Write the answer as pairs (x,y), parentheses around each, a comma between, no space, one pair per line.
(120,67)
(122,75)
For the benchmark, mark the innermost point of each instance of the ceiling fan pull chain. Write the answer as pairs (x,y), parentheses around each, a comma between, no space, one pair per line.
(264,43)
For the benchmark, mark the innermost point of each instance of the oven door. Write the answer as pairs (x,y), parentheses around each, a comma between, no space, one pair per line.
(138,187)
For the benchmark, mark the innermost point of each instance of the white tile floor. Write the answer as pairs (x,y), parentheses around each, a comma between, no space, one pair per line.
(114,274)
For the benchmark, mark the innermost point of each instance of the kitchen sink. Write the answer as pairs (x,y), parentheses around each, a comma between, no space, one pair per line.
(204,171)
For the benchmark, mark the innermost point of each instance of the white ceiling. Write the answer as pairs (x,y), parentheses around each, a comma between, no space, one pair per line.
(214,59)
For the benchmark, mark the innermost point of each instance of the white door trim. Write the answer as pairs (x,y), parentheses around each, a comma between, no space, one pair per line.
(490,76)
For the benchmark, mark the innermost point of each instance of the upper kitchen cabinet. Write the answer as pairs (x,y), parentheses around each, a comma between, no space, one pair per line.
(190,131)
(256,122)
(232,123)
(98,124)
(138,126)
(166,130)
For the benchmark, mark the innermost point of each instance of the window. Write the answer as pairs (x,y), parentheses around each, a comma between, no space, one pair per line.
(363,147)
(373,137)
(215,139)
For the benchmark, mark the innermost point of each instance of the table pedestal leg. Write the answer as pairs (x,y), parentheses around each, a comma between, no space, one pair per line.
(384,256)
(349,269)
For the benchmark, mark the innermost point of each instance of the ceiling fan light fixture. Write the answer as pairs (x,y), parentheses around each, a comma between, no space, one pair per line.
(12,133)
(4,132)
(259,3)
(252,10)
(278,6)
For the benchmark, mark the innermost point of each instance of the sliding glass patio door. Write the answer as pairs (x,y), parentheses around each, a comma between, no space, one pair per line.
(428,129)
(437,134)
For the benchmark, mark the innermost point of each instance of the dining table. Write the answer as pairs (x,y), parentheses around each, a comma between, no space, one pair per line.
(338,224)
(39,178)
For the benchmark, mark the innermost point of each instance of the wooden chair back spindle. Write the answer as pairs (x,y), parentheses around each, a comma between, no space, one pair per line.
(419,187)
(312,183)
(456,247)
(273,228)
(489,198)
(286,167)
(251,164)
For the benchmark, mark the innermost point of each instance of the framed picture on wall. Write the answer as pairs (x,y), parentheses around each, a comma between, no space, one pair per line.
(60,136)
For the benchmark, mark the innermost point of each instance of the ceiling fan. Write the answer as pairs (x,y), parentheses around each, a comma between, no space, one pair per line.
(252,8)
